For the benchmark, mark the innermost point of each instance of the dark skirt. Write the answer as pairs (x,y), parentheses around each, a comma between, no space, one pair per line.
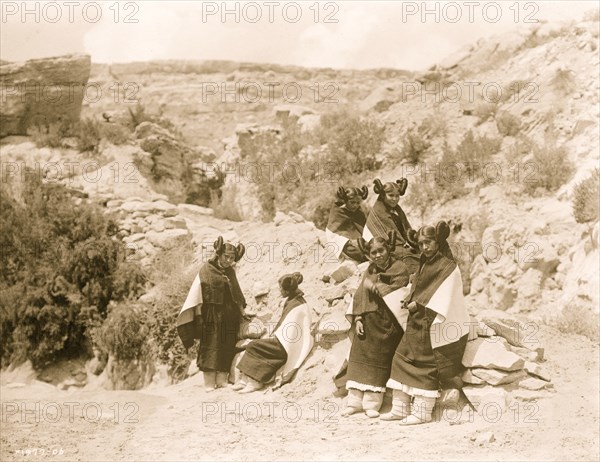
(371,355)
(414,362)
(219,333)
(262,359)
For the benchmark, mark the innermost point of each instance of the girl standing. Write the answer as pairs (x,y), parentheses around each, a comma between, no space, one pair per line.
(435,325)
(377,332)
(212,313)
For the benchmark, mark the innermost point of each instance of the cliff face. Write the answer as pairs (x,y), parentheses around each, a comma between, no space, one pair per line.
(42,92)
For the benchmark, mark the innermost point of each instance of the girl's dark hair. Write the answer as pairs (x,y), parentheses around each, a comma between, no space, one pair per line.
(290,282)
(389,243)
(220,246)
(440,234)
(343,194)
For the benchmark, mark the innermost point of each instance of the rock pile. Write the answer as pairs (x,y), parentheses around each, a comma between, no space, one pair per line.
(503,359)
(147,227)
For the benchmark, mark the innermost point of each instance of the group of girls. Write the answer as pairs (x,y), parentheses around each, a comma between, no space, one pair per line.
(408,315)
(409,295)
(213,312)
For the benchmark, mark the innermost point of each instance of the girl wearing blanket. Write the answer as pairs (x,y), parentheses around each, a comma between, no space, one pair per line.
(286,349)
(377,331)
(435,322)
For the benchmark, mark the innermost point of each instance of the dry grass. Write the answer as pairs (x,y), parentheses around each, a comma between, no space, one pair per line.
(580,320)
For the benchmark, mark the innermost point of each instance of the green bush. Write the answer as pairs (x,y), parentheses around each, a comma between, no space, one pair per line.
(563,81)
(52,135)
(173,277)
(61,268)
(472,152)
(586,195)
(507,124)
(552,167)
(224,206)
(352,142)
(415,146)
(139,114)
(580,320)
(485,111)
(125,332)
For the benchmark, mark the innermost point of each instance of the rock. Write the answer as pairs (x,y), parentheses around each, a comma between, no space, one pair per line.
(491,354)
(193,368)
(532,383)
(495,377)
(164,208)
(514,332)
(334,292)
(194,210)
(468,377)
(128,374)
(169,239)
(286,113)
(529,284)
(542,257)
(448,397)
(486,399)
(537,370)
(504,267)
(485,438)
(502,295)
(529,395)
(483,330)
(42,92)
(309,122)
(259,289)
(175,223)
(114,203)
(344,270)
(528,355)
(491,242)
(281,218)
(158,226)
(332,329)
(253,329)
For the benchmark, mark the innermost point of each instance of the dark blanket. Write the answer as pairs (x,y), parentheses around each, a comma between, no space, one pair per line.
(371,355)
(416,363)
(346,223)
(220,313)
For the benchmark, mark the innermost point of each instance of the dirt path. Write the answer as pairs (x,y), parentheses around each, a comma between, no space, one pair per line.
(302,422)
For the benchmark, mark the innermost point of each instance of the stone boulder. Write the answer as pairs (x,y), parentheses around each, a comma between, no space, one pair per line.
(128,375)
(491,353)
(41,92)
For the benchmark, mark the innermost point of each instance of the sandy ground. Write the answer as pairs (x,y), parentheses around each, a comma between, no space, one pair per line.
(301,421)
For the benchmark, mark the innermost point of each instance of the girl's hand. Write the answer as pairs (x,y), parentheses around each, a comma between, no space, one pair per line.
(360,328)
(412,307)
(247,317)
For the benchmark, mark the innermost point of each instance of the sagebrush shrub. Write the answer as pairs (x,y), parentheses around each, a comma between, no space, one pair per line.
(415,146)
(508,124)
(586,195)
(61,263)
(124,333)
(552,167)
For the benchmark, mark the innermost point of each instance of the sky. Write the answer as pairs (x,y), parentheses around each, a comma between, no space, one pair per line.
(344,34)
